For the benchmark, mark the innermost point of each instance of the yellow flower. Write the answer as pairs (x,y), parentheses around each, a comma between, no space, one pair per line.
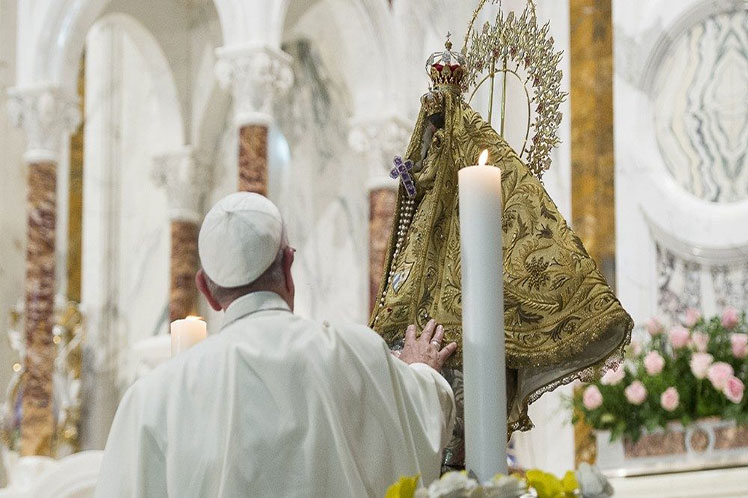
(570,483)
(549,486)
(404,488)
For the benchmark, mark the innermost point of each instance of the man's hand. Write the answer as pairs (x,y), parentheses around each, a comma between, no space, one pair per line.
(428,347)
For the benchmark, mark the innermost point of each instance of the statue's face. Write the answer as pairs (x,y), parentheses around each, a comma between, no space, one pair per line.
(437,120)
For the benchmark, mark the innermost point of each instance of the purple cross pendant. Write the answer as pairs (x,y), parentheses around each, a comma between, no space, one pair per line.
(402,170)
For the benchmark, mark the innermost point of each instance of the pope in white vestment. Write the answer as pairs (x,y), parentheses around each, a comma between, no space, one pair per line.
(275,404)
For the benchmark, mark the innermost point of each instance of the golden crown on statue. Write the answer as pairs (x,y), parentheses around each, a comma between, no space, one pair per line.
(447,72)
(446,68)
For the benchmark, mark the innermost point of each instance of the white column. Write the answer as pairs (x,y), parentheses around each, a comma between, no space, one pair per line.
(104,347)
(47,115)
(185,180)
(257,74)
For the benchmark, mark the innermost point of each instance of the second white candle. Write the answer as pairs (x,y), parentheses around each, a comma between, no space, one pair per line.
(186,333)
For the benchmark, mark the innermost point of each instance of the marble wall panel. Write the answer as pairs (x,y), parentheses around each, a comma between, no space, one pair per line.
(681,131)
(700,92)
(324,200)
(678,285)
(730,285)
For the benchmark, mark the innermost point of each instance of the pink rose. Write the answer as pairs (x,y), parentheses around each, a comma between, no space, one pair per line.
(654,327)
(734,390)
(636,393)
(669,399)
(692,316)
(719,373)
(636,347)
(739,344)
(730,317)
(613,376)
(700,341)
(592,398)
(679,336)
(653,363)
(700,363)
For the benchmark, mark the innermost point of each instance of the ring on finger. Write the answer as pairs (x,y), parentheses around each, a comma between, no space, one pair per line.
(436,343)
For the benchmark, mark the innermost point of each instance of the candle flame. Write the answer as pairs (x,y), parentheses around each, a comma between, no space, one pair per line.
(483,158)
(192,317)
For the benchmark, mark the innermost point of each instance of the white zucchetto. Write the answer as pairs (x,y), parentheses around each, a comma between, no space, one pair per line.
(239,239)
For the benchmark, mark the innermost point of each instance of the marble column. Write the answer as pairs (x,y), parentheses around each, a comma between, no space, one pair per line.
(592,154)
(377,141)
(47,116)
(593,203)
(257,75)
(185,180)
(253,158)
(382,202)
(75,198)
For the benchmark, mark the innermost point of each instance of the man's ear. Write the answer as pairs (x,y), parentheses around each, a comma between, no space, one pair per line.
(202,286)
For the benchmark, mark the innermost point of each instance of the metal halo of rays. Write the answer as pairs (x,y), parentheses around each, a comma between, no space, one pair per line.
(509,44)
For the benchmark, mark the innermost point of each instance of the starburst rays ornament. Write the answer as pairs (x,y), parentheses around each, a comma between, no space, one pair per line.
(517,46)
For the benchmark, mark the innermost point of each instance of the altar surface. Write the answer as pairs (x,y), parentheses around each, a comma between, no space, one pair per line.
(722,483)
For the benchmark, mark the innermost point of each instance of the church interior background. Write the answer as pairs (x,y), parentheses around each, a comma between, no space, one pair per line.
(147,113)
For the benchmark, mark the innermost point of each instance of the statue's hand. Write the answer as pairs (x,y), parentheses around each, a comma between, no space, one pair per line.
(427,348)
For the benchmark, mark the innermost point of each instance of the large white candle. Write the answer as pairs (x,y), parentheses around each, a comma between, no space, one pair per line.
(484,364)
(186,333)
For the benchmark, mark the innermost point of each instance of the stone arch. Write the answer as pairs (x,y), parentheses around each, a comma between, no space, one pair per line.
(61,35)
(170,110)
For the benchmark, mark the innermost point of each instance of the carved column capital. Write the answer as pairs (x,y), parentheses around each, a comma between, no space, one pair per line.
(47,115)
(378,140)
(257,75)
(186,180)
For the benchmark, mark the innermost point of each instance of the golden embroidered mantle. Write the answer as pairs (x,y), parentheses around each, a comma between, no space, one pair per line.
(562,320)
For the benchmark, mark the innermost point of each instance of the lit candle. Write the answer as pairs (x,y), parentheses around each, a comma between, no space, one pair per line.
(186,333)
(484,363)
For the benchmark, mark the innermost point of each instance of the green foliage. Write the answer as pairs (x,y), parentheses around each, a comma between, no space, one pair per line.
(698,398)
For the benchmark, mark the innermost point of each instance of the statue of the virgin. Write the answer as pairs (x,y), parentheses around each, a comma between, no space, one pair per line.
(562,320)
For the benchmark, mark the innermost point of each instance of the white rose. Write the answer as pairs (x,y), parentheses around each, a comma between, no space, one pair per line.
(504,487)
(452,485)
(592,483)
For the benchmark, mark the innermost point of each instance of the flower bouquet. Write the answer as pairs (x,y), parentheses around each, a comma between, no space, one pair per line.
(586,482)
(686,373)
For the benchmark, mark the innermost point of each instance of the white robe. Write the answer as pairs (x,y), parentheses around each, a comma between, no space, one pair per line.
(277,405)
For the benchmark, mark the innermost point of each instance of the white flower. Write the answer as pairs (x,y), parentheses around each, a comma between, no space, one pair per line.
(452,485)
(592,483)
(502,486)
